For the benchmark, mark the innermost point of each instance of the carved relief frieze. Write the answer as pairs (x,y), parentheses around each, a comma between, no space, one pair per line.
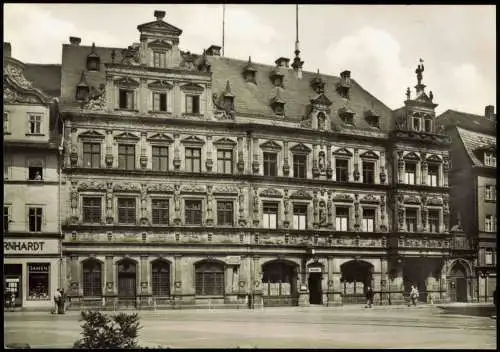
(300,194)
(225,189)
(160,188)
(343,197)
(126,187)
(92,186)
(370,198)
(271,193)
(412,199)
(193,188)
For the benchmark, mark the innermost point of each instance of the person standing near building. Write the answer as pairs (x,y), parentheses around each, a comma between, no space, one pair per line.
(413,295)
(369,297)
(57,299)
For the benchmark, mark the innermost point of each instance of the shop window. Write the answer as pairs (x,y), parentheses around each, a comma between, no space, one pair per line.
(160,102)
(126,210)
(92,278)
(432,175)
(126,99)
(225,214)
(193,159)
(160,158)
(35,219)
(126,156)
(34,124)
(224,161)
(193,212)
(91,210)
(433,220)
(160,211)
(160,278)
(368,219)
(270,212)
(270,164)
(209,279)
(342,218)
(300,216)
(299,166)
(341,167)
(192,104)
(368,172)
(411,220)
(38,281)
(92,155)
(410,173)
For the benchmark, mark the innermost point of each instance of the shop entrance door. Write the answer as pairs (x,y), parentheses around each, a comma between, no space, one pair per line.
(13,284)
(315,294)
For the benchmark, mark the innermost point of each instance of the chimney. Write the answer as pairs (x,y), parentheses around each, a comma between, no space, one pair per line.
(160,15)
(7,50)
(75,40)
(489,112)
(282,62)
(213,50)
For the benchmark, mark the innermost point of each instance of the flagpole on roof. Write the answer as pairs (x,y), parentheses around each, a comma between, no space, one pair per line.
(223,24)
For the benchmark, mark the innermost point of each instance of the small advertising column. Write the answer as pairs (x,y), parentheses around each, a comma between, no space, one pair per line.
(31,271)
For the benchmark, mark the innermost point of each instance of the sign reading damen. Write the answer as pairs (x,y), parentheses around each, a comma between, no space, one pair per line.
(25,246)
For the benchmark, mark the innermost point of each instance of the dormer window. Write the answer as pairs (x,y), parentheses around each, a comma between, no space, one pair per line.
(93,60)
(347,116)
(372,119)
(277,77)
(249,72)
(321,121)
(428,125)
(82,89)
(345,84)
(277,103)
(490,159)
(416,123)
(228,98)
(279,108)
(159,59)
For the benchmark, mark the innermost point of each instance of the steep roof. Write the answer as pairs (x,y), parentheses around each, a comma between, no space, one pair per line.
(47,78)
(467,121)
(474,141)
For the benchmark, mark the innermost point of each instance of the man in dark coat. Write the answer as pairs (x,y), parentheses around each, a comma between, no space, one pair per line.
(369,297)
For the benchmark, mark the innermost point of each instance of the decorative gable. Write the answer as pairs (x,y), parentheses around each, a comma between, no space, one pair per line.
(411,156)
(193,140)
(160,84)
(91,135)
(192,87)
(300,148)
(300,194)
(127,82)
(159,26)
(127,136)
(321,99)
(434,158)
(369,155)
(271,145)
(161,137)
(271,193)
(225,142)
(343,152)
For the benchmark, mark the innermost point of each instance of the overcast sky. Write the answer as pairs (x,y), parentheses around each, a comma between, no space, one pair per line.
(380,45)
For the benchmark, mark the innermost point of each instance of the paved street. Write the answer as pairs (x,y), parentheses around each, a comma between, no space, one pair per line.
(311,327)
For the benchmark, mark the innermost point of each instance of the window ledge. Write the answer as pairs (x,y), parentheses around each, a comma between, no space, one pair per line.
(5,133)
(490,200)
(127,110)
(160,112)
(35,134)
(192,114)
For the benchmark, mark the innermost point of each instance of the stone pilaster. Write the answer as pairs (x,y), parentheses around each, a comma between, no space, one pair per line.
(109,203)
(241,158)
(144,152)
(286,163)
(73,156)
(209,163)
(401,166)
(334,284)
(110,287)
(315,169)
(145,289)
(445,167)
(383,172)
(177,152)
(356,173)
(210,205)
(255,163)
(315,209)
(109,158)
(177,274)
(75,276)
(329,170)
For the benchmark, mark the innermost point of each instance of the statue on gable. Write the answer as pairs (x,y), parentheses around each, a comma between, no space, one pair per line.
(419,70)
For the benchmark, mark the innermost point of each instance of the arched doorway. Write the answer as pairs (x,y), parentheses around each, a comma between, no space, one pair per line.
(314,282)
(457,283)
(209,278)
(127,271)
(92,278)
(160,278)
(355,280)
(279,283)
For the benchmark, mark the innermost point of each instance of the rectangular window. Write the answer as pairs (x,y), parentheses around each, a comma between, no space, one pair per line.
(489,223)
(38,281)
(160,212)
(368,172)
(126,99)
(410,173)
(92,210)
(192,104)
(160,158)
(126,156)
(488,257)
(432,175)
(428,125)
(6,219)
(270,211)
(224,213)
(490,192)
(224,161)
(35,219)
(411,220)
(35,170)
(416,124)
(193,159)
(6,122)
(299,166)
(433,220)
(368,219)
(6,163)
(193,212)
(270,164)
(341,173)
(35,124)
(300,216)
(126,210)
(160,60)
(490,159)
(342,218)
(160,102)
(92,155)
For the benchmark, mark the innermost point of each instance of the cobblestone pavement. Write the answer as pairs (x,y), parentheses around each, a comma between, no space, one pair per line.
(300,327)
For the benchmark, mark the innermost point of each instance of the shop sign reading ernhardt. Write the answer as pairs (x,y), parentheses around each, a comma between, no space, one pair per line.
(22,246)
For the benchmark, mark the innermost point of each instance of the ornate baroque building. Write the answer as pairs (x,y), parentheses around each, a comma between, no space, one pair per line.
(204,180)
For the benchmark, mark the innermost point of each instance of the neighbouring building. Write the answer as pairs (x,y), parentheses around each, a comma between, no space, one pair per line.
(473,197)
(31,241)
(204,180)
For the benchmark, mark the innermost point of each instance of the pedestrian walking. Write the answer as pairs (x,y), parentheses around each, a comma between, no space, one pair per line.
(413,295)
(12,301)
(57,298)
(369,297)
